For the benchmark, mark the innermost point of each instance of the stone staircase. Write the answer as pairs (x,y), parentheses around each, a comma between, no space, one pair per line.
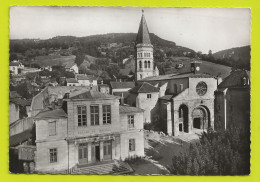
(111,167)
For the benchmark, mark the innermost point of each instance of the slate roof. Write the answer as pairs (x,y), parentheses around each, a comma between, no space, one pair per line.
(20,138)
(144,87)
(175,76)
(49,113)
(143,32)
(129,109)
(118,85)
(235,79)
(91,95)
(71,80)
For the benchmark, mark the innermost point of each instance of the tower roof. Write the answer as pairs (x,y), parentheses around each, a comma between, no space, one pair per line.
(143,32)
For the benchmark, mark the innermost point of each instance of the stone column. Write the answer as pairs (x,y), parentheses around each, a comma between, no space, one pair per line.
(101,147)
(169,118)
(89,152)
(88,115)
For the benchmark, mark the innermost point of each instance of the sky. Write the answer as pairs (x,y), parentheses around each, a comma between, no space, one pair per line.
(201,29)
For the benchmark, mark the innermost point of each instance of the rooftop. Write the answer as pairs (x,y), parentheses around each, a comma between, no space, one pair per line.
(175,76)
(144,87)
(143,32)
(91,95)
(235,79)
(71,80)
(129,109)
(117,85)
(50,113)
(20,138)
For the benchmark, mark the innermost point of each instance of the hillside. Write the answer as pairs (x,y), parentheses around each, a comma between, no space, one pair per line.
(239,56)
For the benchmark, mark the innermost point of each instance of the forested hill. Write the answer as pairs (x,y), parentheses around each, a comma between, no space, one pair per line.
(115,46)
(238,55)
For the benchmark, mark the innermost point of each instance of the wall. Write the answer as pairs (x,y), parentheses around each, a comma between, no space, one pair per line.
(89,130)
(20,125)
(148,104)
(13,112)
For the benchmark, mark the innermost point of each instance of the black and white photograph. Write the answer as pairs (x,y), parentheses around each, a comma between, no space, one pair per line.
(129,90)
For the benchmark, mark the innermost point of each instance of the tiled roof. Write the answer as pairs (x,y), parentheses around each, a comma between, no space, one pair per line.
(128,109)
(71,80)
(91,95)
(21,102)
(143,33)
(20,138)
(175,76)
(117,85)
(49,113)
(235,79)
(144,88)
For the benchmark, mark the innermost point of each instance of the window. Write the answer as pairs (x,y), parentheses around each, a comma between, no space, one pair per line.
(149,96)
(131,145)
(181,87)
(145,64)
(53,155)
(106,114)
(107,148)
(94,115)
(82,116)
(140,64)
(149,64)
(131,121)
(52,128)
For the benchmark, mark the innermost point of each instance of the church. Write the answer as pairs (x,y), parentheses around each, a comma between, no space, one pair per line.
(178,103)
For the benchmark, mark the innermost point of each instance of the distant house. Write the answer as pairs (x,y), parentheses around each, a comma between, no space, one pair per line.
(104,88)
(18,107)
(87,80)
(72,67)
(121,89)
(72,82)
(15,67)
(232,101)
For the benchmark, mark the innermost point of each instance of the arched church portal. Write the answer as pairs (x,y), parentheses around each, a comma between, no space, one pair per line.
(200,118)
(183,119)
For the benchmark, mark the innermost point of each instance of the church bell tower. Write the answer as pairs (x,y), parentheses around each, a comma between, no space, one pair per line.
(144,65)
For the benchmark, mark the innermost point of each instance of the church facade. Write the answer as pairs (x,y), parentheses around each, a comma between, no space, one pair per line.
(178,103)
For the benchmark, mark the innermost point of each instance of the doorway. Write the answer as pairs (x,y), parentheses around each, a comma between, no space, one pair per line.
(196,123)
(83,153)
(97,148)
(95,152)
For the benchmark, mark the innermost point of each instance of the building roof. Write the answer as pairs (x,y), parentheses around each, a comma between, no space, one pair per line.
(91,95)
(118,85)
(51,113)
(14,63)
(144,87)
(15,140)
(175,76)
(143,32)
(167,97)
(129,109)
(235,79)
(71,80)
(21,102)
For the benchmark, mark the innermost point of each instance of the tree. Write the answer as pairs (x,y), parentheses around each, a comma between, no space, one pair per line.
(217,153)
(80,56)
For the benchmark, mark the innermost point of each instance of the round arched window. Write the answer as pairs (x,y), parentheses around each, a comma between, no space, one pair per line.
(201,88)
